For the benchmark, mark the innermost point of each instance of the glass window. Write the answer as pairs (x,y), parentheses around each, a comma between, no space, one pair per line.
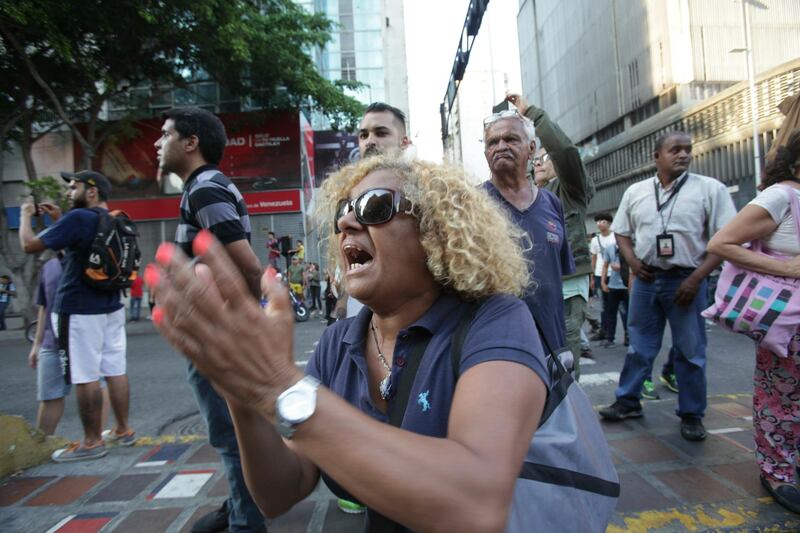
(368,40)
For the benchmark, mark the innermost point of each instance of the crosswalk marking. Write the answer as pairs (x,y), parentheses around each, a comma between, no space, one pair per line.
(599,379)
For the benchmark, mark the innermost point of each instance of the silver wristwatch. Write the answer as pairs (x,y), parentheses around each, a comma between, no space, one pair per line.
(295,405)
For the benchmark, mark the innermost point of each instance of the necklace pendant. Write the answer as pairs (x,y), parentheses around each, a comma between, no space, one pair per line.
(384,387)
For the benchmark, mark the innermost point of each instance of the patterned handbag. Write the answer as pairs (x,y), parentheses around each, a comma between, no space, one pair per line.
(766,308)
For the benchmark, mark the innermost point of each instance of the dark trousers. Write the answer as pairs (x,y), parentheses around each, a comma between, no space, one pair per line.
(616,300)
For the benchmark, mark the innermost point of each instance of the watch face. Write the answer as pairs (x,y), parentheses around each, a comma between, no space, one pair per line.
(296,406)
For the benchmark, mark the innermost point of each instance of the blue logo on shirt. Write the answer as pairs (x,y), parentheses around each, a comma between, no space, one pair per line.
(422,400)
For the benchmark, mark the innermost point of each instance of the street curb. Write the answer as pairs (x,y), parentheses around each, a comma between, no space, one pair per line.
(23,446)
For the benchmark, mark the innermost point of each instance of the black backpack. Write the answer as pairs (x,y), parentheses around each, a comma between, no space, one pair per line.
(113,259)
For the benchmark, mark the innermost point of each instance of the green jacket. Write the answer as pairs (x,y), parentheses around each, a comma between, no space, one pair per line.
(573,187)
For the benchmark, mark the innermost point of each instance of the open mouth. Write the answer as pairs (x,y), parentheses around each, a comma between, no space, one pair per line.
(356,257)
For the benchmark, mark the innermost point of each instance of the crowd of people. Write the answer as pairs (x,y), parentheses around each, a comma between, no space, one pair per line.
(409,246)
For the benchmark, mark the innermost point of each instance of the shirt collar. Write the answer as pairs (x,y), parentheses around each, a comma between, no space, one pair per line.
(672,184)
(433,319)
(197,172)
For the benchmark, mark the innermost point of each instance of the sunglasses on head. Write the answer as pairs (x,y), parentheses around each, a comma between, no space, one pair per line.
(375,206)
(499,116)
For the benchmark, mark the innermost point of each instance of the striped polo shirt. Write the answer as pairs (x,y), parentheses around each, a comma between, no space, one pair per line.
(210,201)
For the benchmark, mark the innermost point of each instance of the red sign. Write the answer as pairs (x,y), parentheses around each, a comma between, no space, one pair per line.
(258,203)
(262,153)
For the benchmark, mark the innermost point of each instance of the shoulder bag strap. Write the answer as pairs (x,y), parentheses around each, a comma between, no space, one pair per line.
(397,409)
(794,206)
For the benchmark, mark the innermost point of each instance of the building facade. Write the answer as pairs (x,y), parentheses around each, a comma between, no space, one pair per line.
(615,73)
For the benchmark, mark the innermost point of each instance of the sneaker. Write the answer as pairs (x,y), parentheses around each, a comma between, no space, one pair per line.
(599,336)
(125,439)
(350,507)
(608,344)
(692,429)
(627,340)
(649,391)
(670,381)
(617,411)
(213,522)
(78,451)
(587,354)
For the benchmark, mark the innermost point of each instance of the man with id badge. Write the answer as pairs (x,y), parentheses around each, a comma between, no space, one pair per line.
(662,226)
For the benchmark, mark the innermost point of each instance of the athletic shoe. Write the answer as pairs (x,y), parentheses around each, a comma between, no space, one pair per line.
(692,429)
(627,340)
(617,411)
(125,439)
(350,507)
(608,344)
(587,354)
(670,381)
(599,336)
(212,522)
(649,391)
(78,451)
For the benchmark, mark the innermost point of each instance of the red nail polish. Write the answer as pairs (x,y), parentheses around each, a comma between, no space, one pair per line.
(271,273)
(157,315)
(202,242)
(151,275)
(164,253)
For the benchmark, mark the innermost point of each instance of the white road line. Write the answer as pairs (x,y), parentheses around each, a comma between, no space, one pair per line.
(585,361)
(599,379)
(725,430)
(301,364)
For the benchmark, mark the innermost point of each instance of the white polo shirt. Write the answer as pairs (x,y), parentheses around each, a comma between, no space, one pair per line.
(700,208)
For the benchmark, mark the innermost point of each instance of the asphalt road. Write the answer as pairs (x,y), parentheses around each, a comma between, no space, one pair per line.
(162,402)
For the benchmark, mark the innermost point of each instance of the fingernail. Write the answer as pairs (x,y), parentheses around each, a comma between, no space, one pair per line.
(157,315)
(151,275)
(202,242)
(271,273)
(164,253)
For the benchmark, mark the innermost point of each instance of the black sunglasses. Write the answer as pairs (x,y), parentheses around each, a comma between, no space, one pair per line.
(375,206)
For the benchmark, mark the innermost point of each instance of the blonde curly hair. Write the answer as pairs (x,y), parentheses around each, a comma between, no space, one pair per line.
(472,247)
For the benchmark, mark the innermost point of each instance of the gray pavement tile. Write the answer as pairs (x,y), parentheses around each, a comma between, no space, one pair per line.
(637,495)
(745,475)
(643,449)
(153,520)
(124,488)
(714,448)
(695,486)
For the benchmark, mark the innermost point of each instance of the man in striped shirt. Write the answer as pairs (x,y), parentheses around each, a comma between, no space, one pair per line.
(191,145)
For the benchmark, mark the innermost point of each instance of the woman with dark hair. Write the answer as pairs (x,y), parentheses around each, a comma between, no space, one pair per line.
(776,396)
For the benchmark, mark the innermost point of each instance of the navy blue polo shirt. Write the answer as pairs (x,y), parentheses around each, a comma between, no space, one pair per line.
(74,233)
(502,330)
(549,259)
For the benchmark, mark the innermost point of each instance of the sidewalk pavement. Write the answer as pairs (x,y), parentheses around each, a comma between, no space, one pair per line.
(165,484)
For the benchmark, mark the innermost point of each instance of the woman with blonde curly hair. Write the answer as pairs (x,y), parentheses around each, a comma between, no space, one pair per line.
(416,244)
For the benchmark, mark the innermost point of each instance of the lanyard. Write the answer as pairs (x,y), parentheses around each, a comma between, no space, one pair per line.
(673,195)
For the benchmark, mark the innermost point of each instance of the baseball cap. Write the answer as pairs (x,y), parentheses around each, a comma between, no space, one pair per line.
(92,179)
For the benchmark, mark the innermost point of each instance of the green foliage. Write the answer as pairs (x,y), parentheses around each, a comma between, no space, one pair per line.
(48,189)
(93,51)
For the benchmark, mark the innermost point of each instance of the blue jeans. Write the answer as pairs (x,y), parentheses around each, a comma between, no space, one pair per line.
(244,514)
(136,308)
(649,309)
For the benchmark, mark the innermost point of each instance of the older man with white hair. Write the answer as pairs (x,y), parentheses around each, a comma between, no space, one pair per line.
(509,146)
